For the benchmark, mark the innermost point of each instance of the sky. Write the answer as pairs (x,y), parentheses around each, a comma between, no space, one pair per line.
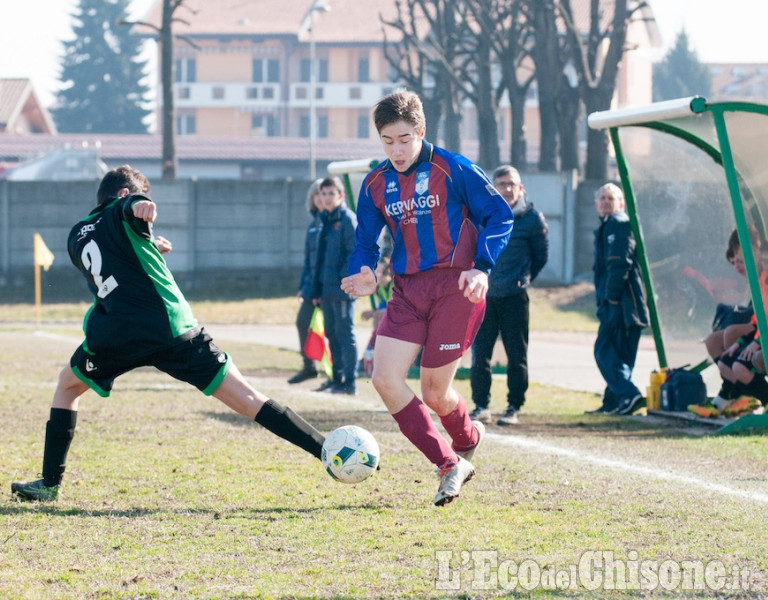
(30,46)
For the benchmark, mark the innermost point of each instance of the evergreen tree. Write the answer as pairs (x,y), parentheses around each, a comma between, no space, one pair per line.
(102,73)
(680,74)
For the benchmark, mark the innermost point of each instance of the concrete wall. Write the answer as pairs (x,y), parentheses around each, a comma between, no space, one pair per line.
(233,237)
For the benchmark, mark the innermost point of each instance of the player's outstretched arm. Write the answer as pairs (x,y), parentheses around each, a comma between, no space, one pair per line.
(360,284)
(145,210)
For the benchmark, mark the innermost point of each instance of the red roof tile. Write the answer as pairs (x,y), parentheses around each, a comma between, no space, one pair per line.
(348,21)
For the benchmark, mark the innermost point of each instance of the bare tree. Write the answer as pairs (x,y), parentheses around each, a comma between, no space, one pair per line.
(165,38)
(476,76)
(511,41)
(596,60)
(548,60)
(415,59)
(460,50)
(559,100)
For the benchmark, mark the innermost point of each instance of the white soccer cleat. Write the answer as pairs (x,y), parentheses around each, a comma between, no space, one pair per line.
(470,453)
(452,477)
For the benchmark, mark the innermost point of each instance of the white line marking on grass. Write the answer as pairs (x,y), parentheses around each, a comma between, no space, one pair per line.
(58,336)
(544,448)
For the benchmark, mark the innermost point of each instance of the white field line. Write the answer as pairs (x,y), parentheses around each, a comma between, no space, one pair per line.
(58,336)
(545,448)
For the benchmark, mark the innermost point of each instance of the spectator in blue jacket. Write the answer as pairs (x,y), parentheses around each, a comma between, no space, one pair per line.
(306,308)
(620,299)
(337,240)
(506,308)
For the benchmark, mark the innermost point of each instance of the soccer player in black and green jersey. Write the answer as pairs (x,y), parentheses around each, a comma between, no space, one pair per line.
(140,318)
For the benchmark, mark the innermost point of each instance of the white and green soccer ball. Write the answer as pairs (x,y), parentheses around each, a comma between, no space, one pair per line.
(350,454)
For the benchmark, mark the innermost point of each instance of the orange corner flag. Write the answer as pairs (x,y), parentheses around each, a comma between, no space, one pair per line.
(316,345)
(43,256)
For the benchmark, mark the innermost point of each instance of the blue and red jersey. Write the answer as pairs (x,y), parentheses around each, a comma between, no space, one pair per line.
(442,212)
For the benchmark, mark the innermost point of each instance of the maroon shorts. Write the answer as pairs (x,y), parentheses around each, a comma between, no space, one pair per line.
(429,309)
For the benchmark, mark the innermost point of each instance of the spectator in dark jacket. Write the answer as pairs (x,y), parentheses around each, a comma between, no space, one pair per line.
(506,308)
(620,299)
(337,241)
(306,308)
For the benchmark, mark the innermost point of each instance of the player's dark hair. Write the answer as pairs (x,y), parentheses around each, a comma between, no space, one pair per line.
(122,177)
(505,170)
(334,182)
(734,245)
(399,106)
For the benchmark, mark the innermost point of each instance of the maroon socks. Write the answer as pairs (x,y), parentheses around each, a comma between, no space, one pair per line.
(416,424)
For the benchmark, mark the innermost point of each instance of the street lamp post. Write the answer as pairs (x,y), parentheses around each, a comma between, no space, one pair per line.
(308,24)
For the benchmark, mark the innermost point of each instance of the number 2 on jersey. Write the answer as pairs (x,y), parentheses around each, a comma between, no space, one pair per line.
(91,259)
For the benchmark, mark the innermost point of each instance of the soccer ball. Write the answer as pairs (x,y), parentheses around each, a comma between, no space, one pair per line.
(350,454)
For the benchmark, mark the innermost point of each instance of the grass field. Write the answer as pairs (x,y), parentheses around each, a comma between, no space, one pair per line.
(169,495)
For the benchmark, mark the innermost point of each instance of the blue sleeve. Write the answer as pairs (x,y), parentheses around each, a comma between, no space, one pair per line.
(306,271)
(370,222)
(489,212)
(539,246)
(619,259)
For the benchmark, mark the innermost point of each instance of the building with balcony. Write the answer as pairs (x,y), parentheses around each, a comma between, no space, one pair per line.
(247,71)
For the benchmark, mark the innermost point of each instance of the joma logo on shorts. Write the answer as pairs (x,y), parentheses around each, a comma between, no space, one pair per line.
(450,346)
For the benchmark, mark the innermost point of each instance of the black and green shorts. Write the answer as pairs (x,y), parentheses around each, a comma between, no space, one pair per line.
(191,357)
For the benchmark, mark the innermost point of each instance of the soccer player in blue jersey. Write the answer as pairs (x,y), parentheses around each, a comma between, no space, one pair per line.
(448,224)
(141,318)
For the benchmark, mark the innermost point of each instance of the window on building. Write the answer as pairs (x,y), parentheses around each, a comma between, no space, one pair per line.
(185,70)
(322,70)
(273,70)
(186,124)
(183,93)
(268,93)
(363,70)
(252,93)
(266,70)
(264,125)
(301,93)
(321,126)
(355,93)
(217,92)
(363,127)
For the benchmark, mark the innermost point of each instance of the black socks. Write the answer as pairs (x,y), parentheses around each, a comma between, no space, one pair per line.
(59,432)
(286,424)
(758,388)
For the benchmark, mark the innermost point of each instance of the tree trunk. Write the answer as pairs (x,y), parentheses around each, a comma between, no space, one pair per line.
(169,116)
(518,150)
(568,121)
(597,141)
(548,70)
(452,131)
(487,127)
